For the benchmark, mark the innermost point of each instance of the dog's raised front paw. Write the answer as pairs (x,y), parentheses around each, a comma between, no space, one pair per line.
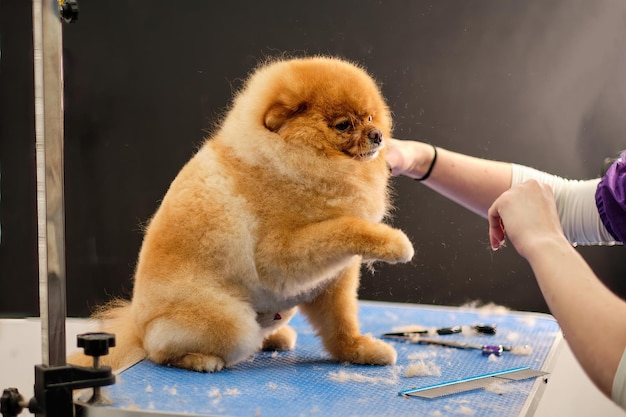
(397,248)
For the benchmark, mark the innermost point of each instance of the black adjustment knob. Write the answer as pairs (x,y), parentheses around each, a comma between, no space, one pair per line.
(96,344)
(11,402)
(68,9)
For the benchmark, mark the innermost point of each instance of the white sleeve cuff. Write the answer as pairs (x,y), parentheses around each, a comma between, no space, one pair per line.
(576,205)
(618,393)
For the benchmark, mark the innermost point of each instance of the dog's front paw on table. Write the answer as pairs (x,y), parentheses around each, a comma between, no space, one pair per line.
(366,350)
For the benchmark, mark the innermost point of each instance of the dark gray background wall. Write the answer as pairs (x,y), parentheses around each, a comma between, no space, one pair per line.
(538,82)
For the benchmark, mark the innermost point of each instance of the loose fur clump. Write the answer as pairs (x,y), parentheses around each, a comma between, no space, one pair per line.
(278,209)
(421,368)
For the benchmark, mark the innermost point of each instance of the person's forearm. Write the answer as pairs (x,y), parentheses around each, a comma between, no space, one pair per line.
(475,183)
(471,182)
(576,204)
(590,316)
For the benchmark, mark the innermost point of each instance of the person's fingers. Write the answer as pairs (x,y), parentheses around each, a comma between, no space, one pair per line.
(394,158)
(496,228)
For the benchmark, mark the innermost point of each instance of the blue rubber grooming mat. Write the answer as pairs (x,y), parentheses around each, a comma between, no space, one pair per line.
(307,382)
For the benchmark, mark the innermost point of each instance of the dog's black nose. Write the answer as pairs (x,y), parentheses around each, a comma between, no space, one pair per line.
(375,136)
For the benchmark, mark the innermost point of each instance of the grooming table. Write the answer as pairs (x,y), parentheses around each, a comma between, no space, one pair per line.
(307,382)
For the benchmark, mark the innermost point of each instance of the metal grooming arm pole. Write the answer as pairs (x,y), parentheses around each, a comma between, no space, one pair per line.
(48,58)
(54,379)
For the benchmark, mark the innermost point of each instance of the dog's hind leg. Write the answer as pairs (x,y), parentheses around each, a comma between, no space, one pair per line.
(203,336)
(282,339)
(278,336)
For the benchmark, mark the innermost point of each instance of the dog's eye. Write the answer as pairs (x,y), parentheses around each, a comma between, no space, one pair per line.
(342,126)
(369,118)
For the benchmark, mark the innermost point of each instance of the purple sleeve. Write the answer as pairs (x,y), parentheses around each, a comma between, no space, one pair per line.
(611,199)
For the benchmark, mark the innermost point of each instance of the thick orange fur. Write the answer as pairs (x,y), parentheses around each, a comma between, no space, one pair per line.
(277,210)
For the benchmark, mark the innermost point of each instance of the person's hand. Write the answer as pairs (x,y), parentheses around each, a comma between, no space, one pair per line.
(407,157)
(398,156)
(526,214)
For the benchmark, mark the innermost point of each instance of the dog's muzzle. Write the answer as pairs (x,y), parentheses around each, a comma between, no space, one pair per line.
(375,136)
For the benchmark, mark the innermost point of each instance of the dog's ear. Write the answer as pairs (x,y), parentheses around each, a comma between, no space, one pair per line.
(278,114)
(275,116)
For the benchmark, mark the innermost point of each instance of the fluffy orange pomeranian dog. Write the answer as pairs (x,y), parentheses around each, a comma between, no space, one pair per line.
(277,210)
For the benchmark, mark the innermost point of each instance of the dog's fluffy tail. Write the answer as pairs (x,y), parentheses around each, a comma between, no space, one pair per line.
(116,318)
